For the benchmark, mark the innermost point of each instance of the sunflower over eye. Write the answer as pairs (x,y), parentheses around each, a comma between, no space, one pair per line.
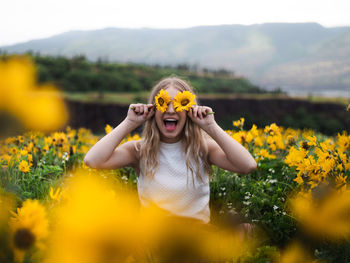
(162,100)
(184,101)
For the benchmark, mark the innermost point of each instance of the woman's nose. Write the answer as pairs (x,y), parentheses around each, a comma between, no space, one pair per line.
(170,108)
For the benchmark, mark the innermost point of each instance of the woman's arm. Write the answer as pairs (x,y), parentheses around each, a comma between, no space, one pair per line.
(106,154)
(224,151)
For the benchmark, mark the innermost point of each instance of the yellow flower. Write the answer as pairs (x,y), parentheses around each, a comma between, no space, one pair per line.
(340,182)
(30,159)
(103,220)
(40,108)
(184,101)
(343,142)
(295,156)
(5,157)
(59,139)
(108,128)
(295,253)
(263,153)
(23,152)
(55,195)
(323,217)
(29,226)
(273,129)
(13,151)
(24,166)
(239,123)
(258,141)
(312,140)
(162,100)
(10,140)
(29,147)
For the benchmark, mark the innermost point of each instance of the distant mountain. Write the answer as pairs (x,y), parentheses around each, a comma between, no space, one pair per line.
(296,57)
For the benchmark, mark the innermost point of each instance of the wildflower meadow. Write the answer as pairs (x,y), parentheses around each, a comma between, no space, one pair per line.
(53,208)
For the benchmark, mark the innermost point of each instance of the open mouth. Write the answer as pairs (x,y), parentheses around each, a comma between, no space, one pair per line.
(170,124)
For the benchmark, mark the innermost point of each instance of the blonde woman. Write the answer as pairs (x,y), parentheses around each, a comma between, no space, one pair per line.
(180,142)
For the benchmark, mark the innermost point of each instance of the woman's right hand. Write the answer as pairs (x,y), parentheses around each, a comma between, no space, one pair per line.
(139,113)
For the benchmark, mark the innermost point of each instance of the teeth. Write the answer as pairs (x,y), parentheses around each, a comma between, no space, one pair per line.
(170,120)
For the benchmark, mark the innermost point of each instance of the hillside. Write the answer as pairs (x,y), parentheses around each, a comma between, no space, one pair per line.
(303,56)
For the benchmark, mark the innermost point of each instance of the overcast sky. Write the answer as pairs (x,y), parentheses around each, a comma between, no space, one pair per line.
(23,20)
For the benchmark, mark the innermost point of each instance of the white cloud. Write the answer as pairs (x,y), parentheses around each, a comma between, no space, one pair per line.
(23,20)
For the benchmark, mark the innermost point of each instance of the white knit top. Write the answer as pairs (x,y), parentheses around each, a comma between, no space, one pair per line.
(168,189)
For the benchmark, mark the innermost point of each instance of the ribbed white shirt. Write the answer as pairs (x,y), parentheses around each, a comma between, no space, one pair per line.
(168,189)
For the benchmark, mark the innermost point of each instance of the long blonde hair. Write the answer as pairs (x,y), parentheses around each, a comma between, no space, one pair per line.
(194,143)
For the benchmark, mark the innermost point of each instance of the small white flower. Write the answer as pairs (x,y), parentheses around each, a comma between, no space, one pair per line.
(124,177)
(284,213)
(275,207)
(246,202)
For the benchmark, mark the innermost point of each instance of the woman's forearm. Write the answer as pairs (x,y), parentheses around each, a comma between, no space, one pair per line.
(103,149)
(235,152)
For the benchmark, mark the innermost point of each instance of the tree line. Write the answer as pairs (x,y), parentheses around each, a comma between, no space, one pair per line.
(78,74)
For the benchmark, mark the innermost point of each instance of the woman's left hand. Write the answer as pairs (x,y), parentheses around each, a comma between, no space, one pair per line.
(201,115)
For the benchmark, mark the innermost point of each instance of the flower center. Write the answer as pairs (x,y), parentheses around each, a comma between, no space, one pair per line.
(184,102)
(160,101)
(24,238)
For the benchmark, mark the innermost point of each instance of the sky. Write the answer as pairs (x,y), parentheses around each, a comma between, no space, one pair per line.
(23,20)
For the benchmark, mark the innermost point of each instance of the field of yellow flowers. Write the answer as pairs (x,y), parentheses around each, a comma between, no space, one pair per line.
(55,209)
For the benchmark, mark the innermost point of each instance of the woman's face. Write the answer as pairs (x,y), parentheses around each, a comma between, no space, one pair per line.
(171,123)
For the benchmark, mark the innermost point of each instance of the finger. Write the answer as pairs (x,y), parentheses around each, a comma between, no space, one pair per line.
(190,113)
(145,110)
(201,112)
(195,110)
(151,113)
(137,108)
(208,111)
(141,108)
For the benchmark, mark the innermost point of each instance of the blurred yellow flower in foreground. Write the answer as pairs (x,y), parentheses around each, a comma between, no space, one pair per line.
(36,107)
(6,204)
(325,216)
(29,227)
(100,220)
(294,253)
